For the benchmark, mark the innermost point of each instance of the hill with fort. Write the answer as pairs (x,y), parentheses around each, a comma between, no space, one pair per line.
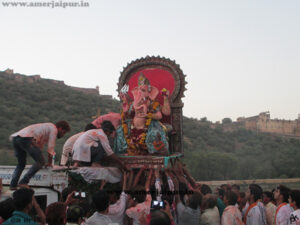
(264,124)
(245,149)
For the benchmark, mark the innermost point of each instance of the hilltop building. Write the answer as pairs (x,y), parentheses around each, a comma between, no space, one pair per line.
(263,123)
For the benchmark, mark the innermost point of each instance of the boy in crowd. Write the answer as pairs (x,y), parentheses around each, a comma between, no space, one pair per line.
(24,200)
(256,213)
(270,207)
(295,202)
(101,202)
(188,213)
(231,214)
(283,211)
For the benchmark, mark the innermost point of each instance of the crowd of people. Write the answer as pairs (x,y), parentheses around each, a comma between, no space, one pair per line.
(159,197)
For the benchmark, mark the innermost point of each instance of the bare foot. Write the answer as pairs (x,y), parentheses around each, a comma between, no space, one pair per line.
(97,165)
(24,186)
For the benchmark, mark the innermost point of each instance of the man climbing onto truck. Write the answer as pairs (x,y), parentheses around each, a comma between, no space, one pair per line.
(31,140)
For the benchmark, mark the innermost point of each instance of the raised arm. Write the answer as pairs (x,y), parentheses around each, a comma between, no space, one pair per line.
(157,185)
(51,146)
(130,180)
(103,182)
(137,177)
(38,210)
(148,181)
(124,181)
(176,187)
(188,176)
(169,179)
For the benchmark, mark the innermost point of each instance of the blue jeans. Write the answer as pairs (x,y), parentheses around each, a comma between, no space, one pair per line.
(22,146)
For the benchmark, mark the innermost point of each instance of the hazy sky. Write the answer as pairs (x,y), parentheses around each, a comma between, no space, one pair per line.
(240,57)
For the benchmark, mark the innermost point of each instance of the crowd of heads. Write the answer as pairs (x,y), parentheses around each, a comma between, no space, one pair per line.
(176,188)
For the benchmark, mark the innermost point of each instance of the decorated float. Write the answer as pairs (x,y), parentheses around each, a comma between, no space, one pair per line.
(151,90)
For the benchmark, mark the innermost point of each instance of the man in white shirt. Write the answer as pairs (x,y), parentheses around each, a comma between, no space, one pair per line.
(256,213)
(93,145)
(68,147)
(117,207)
(101,202)
(231,214)
(31,140)
(295,202)
(283,211)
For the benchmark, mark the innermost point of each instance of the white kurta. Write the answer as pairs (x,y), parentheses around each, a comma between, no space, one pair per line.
(68,147)
(116,212)
(82,146)
(231,216)
(283,215)
(255,216)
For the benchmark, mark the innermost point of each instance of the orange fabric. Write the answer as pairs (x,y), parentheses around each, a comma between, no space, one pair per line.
(249,208)
(278,208)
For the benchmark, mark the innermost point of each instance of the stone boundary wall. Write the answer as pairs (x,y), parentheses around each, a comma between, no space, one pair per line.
(266,184)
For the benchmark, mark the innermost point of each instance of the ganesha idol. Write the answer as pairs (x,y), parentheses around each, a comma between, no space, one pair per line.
(141,132)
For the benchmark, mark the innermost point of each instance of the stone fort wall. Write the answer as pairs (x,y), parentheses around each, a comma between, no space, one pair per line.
(9,74)
(263,123)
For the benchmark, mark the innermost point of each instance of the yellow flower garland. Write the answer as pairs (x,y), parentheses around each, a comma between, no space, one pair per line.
(132,149)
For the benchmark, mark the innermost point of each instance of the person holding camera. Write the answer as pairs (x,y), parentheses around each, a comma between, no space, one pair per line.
(158,216)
